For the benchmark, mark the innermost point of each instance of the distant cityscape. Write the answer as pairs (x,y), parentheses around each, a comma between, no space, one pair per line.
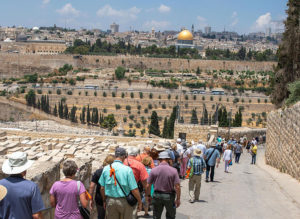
(55,40)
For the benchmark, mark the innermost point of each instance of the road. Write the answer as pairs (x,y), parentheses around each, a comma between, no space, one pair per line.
(248,191)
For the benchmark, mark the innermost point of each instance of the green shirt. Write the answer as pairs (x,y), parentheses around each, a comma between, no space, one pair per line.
(125,177)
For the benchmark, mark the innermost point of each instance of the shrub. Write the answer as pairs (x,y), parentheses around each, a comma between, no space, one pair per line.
(95,93)
(69,92)
(169,96)
(176,97)
(159,97)
(124,119)
(145,110)
(203,97)
(138,125)
(186,97)
(86,93)
(58,92)
(122,95)
(132,95)
(72,82)
(211,98)
(294,89)
(120,72)
(266,100)
(258,100)
(150,96)
(105,110)
(113,94)
(128,107)
(39,91)
(104,94)
(236,100)
(141,95)
(149,106)
(118,106)
(131,117)
(220,98)
(227,99)
(49,91)
(79,93)
(164,106)
(195,97)
(130,125)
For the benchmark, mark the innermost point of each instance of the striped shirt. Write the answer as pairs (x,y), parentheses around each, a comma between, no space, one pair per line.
(198,165)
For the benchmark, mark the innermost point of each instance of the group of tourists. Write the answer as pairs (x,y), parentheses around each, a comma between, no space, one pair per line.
(129,181)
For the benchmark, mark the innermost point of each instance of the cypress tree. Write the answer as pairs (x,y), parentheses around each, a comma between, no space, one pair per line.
(66,112)
(38,105)
(88,115)
(154,126)
(194,118)
(73,114)
(288,68)
(55,110)
(82,115)
(171,122)
(61,110)
(165,129)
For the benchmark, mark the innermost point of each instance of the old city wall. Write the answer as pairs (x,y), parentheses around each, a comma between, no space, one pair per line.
(283,147)
(17,65)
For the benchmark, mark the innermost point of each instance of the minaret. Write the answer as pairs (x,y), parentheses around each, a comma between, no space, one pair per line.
(193,31)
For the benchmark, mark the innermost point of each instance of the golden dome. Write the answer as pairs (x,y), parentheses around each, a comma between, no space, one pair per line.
(185,35)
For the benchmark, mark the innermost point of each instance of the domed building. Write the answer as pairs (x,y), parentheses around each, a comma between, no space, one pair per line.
(185,37)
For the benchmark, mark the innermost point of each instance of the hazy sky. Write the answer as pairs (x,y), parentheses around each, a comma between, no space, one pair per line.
(243,16)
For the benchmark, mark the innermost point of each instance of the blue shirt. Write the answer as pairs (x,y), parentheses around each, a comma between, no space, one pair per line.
(198,165)
(125,177)
(213,157)
(23,199)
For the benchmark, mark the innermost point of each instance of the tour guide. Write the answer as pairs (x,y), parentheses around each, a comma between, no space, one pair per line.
(113,197)
(166,188)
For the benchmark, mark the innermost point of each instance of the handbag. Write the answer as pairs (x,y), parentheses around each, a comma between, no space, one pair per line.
(85,213)
(230,162)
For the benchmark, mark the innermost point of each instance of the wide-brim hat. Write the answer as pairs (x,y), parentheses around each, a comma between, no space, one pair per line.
(159,147)
(197,152)
(16,163)
(164,155)
(3,192)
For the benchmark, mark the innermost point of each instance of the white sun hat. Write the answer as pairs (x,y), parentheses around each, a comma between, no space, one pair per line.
(16,163)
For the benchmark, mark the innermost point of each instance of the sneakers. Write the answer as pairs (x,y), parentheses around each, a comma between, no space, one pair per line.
(206,180)
(191,201)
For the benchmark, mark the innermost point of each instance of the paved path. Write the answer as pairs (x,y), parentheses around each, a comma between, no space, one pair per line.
(248,191)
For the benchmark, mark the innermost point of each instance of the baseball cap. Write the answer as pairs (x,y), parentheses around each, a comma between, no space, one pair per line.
(119,152)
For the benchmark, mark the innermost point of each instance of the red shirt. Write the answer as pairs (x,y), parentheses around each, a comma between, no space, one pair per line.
(140,158)
(139,170)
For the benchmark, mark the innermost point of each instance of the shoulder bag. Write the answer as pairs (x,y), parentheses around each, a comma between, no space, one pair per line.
(85,213)
(206,160)
(132,201)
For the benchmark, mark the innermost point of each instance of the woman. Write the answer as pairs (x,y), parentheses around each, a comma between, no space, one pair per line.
(147,163)
(95,183)
(176,163)
(185,156)
(64,194)
(227,157)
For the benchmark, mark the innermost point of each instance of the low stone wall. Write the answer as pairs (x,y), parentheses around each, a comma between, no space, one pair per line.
(237,133)
(193,132)
(283,137)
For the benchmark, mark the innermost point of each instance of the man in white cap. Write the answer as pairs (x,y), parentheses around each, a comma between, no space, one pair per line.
(23,199)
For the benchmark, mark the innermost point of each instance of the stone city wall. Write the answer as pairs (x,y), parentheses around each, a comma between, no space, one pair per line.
(17,65)
(283,137)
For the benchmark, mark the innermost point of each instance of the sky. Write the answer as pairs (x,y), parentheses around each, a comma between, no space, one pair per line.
(242,16)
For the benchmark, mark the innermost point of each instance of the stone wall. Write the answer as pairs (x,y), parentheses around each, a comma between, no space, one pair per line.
(243,131)
(283,140)
(16,65)
(193,132)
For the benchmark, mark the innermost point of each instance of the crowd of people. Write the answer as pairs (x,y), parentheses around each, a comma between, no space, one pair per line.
(129,181)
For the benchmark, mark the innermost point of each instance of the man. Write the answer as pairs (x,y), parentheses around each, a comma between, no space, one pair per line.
(166,188)
(139,171)
(238,150)
(202,147)
(23,199)
(146,153)
(114,199)
(212,156)
(197,166)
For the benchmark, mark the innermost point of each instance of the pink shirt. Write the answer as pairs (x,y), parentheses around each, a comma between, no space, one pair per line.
(66,195)
(139,170)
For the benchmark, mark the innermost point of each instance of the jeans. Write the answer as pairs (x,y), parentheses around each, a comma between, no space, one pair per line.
(160,201)
(253,159)
(212,172)
(237,157)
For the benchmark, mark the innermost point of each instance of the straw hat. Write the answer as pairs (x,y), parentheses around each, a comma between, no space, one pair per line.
(159,147)
(17,163)
(3,192)
(197,152)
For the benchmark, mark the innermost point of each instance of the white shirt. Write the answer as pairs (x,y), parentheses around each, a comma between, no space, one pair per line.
(187,152)
(227,155)
(202,147)
(179,149)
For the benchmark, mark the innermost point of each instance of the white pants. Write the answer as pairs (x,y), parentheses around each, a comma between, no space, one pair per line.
(226,165)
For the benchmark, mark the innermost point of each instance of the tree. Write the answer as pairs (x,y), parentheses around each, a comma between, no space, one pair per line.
(109,122)
(73,114)
(55,110)
(30,98)
(88,115)
(82,115)
(194,118)
(165,129)
(242,53)
(154,126)
(120,73)
(61,109)
(66,112)
(288,68)
(198,71)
